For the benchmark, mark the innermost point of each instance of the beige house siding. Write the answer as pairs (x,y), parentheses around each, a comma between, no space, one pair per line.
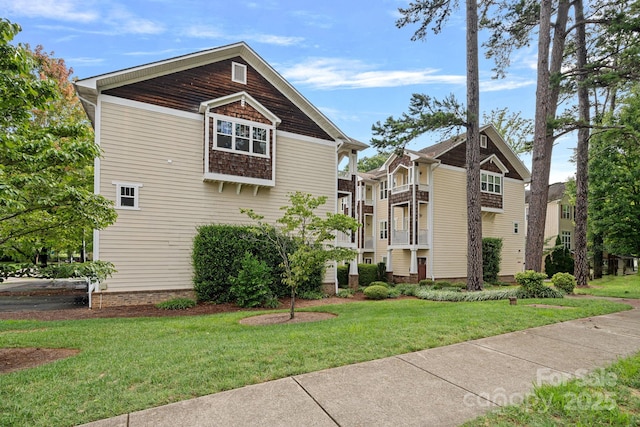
(449,200)
(502,225)
(380,214)
(151,247)
(450,225)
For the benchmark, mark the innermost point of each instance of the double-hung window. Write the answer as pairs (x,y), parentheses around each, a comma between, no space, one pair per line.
(127,195)
(242,136)
(383,230)
(490,183)
(383,190)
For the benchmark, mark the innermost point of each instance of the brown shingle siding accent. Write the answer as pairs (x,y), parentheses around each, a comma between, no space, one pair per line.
(235,109)
(185,90)
(230,163)
(491,200)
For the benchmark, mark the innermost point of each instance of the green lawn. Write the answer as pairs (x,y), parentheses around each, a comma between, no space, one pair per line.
(131,364)
(608,397)
(614,286)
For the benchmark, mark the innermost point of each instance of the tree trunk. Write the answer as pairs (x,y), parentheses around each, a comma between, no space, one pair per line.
(546,106)
(597,255)
(293,303)
(474,208)
(581,268)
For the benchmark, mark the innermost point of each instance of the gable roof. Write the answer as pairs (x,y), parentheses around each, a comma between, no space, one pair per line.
(88,89)
(441,148)
(556,192)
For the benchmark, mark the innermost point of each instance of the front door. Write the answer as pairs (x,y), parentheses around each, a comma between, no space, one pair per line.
(422,268)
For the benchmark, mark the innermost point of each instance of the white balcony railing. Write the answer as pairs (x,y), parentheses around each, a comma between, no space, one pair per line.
(400,237)
(423,237)
(342,238)
(368,242)
(344,174)
(400,188)
(368,202)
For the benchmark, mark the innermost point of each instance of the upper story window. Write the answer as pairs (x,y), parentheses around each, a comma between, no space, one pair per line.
(483,141)
(566,212)
(241,136)
(490,183)
(127,195)
(383,190)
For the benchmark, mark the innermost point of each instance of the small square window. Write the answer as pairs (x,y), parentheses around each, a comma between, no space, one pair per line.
(127,195)
(483,141)
(516,228)
(239,73)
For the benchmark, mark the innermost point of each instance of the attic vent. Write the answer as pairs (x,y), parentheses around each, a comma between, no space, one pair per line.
(483,141)
(239,73)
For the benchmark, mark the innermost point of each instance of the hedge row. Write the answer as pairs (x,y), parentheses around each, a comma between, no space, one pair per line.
(218,251)
(367,273)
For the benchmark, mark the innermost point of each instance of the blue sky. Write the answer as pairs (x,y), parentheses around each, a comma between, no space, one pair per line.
(347,57)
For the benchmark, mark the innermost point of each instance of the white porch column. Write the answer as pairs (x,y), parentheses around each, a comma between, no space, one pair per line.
(353,273)
(413,268)
(389,260)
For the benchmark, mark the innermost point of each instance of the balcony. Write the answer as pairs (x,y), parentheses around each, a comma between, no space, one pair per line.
(344,174)
(368,242)
(400,237)
(400,188)
(343,239)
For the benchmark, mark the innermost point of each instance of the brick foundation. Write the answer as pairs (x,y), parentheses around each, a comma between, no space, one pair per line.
(114,299)
(353,281)
(329,289)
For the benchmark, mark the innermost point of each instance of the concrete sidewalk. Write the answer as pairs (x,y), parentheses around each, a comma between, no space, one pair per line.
(444,386)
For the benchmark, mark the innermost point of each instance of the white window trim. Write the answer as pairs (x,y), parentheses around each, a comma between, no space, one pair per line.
(384,229)
(384,189)
(234,121)
(234,75)
(565,239)
(483,141)
(485,173)
(136,196)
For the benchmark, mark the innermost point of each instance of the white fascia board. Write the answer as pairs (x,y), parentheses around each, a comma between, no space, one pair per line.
(240,96)
(495,160)
(235,179)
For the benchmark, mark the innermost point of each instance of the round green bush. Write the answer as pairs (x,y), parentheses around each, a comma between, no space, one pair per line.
(376,292)
(385,284)
(564,281)
(426,282)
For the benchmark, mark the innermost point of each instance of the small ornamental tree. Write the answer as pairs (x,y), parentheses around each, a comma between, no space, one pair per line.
(312,234)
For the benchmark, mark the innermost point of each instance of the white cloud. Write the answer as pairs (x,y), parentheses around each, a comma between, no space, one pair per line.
(313,19)
(124,21)
(508,83)
(86,61)
(209,32)
(336,73)
(62,10)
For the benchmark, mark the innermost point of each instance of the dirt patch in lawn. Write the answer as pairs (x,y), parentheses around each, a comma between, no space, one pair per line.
(14,359)
(282,318)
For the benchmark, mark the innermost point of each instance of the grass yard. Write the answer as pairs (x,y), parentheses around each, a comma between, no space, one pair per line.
(126,365)
(608,397)
(614,286)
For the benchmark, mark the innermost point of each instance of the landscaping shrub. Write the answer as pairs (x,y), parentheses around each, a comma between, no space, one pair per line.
(532,285)
(382,271)
(177,304)
(428,294)
(491,257)
(97,270)
(376,292)
(559,260)
(566,282)
(378,283)
(217,254)
(394,293)
(426,282)
(345,293)
(252,286)
(367,274)
(310,294)
(444,284)
(407,288)
(343,276)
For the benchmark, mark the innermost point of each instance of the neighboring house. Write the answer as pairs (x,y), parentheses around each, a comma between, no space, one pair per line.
(414,209)
(189,141)
(560,219)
